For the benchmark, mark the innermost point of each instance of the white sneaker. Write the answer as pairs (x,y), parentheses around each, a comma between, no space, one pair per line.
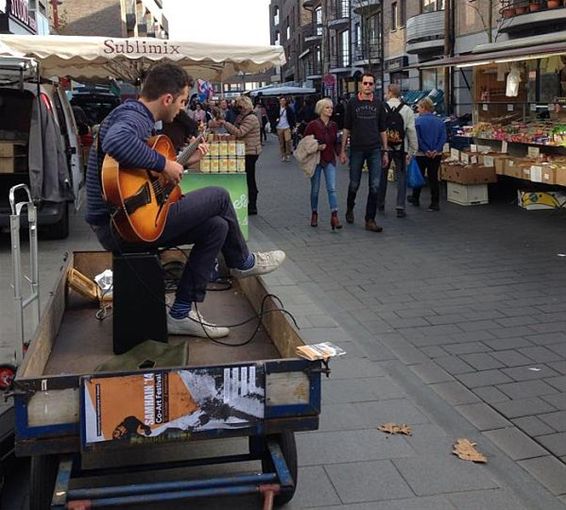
(195,325)
(265,262)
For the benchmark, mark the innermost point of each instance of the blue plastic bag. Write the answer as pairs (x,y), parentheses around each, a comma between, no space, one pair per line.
(415,178)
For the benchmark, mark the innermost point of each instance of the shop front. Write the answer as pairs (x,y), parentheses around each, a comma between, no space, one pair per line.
(518,129)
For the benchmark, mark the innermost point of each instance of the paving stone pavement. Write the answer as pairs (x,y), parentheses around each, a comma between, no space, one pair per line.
(462,311)
(444,317)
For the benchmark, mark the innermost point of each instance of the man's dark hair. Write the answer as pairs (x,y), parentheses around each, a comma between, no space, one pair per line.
(369,75)
(165,78)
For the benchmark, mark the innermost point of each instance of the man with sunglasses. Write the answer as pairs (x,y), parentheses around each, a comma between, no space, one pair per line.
(364,125)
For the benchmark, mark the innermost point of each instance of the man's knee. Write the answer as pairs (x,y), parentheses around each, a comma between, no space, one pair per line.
(217,227)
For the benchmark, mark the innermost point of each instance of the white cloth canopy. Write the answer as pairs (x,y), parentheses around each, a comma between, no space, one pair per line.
(283,90)
(102,57)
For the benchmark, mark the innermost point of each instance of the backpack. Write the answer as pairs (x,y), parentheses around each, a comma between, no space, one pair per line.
(394,125)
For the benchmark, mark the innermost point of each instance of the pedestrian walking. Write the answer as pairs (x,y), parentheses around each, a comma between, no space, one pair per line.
(431,134)
(285,123)
(364,125)
(325,132)
(247,129)
(403,144)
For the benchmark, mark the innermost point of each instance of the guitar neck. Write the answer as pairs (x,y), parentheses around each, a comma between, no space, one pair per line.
(189,150)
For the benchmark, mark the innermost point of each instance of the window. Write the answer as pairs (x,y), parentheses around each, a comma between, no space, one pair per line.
(343,8)
(345,48)
(394,16)
(276,15)
(318,20)
(357,34)
(277,38)
(432,5)
(432,79)
(402,14)
(288,33)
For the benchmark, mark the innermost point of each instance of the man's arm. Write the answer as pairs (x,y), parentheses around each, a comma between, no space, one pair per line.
(124,141)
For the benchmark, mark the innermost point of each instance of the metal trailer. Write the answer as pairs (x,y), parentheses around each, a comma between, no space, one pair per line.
(60,407)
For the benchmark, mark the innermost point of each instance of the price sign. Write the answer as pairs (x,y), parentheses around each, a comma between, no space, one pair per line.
(504,146)
(510,107)
(533,152)
(484,107)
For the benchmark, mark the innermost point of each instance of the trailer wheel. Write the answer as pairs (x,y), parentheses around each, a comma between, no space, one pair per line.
(7,374)
(288,446)
(43,472)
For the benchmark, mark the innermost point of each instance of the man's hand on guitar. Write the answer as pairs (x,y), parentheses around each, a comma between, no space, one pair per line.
(196,157)
(173,171)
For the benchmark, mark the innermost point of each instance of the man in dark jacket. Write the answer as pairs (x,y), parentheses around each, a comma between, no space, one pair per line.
(285,123)
(181,130)
(204,218)
(364,124)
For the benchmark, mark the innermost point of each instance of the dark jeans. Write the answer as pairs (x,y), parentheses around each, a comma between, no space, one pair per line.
(431,166)
(204,218)
(400,159)
(373,160)
(251,160)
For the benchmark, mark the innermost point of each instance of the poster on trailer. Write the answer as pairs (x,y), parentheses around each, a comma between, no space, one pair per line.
(173,403)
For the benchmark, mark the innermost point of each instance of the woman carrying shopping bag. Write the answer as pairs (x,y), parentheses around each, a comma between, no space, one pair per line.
(325,132)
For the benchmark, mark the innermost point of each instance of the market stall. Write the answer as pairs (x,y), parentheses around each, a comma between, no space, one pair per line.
(100,58)
(519,123)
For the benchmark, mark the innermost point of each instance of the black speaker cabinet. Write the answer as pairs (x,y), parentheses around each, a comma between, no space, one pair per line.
(138,296)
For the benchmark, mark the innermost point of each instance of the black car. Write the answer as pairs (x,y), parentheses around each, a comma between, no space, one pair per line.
(96,105)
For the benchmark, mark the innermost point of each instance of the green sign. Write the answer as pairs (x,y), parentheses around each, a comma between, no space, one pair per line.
(234,183)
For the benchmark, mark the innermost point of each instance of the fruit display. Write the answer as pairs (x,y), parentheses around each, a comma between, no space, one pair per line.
(537,133)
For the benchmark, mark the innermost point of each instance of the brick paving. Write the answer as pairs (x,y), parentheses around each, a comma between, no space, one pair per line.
(470,301)
(453,323)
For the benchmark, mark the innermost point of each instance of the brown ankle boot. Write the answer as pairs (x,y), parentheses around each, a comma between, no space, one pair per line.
(334,221)
(372,226)
(314,219)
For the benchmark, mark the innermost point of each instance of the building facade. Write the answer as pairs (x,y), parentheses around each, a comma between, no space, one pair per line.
(24,17)
(328,43)
(110,18)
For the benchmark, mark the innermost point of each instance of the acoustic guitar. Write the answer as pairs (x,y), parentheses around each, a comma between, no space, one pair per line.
(140,198)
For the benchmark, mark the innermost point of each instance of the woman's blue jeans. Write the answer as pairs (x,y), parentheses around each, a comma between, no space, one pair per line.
(330,179)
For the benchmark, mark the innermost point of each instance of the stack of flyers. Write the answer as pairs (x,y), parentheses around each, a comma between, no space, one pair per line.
(325,350)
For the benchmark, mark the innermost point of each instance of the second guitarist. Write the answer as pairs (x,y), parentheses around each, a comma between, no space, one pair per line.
(204,218)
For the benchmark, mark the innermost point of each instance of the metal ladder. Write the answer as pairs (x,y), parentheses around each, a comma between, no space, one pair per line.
(20,302)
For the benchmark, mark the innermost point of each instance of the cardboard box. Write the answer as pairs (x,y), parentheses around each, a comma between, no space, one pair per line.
(560,176)
(471,194)
(540,200)
(514,171)
(548,175)
(468,174)
(12,164)
(11,148)
(500,164)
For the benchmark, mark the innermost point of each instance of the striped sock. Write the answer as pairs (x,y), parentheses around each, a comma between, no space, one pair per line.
(248,263)
(180,309)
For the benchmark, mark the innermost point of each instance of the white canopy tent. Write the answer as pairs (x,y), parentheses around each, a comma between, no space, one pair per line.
(282,90)
(90,58)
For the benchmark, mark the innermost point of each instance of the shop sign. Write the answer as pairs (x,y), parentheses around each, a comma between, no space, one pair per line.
(329,80)
(19,10)
(396,64)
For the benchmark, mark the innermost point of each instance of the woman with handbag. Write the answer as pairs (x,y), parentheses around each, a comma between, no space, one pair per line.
(325,132)
(247,129)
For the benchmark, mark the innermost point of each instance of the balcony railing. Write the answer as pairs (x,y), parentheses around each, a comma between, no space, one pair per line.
(312,32)
(368,51)
(339,14)
(425,32)
(342,59)
(532,16)
(313,69)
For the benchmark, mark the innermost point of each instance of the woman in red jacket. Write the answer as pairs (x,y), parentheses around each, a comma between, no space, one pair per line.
(325,132)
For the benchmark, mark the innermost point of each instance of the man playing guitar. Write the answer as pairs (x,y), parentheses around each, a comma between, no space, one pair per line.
(204,218)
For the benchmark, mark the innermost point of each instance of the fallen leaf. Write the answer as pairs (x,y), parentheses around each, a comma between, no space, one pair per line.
(466,450)
(392,428)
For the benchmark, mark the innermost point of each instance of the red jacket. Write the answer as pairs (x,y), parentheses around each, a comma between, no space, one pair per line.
(327,134)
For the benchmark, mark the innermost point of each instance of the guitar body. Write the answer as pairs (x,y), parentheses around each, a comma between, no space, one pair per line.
(140,198)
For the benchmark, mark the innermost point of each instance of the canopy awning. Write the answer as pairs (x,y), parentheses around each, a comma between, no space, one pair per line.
(102,57)
(496,57)
(274,90)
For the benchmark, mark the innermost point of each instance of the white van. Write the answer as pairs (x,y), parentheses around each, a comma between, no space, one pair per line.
(39,145)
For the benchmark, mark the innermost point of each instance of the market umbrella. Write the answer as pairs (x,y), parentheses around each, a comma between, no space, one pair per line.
(127,59)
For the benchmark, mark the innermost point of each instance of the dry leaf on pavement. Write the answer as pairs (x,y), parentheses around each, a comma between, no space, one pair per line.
(392,428)
(466,450)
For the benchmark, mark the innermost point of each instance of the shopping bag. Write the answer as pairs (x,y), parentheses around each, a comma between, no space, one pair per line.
(415,178)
